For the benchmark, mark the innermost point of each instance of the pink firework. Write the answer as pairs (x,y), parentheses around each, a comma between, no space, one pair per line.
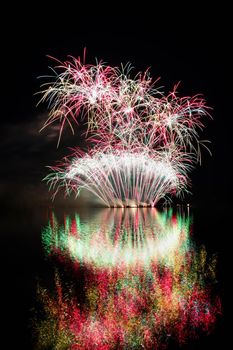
(143,143)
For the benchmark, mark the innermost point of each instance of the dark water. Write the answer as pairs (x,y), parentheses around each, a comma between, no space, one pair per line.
(24,264)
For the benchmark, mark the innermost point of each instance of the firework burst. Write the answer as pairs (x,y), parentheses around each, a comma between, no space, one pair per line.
(144,143)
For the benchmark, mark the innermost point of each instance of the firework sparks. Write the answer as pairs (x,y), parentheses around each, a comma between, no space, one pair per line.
(144,143)
(121,178)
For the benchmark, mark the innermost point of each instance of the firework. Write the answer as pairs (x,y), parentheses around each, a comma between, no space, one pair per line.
(143,143)
(120,178)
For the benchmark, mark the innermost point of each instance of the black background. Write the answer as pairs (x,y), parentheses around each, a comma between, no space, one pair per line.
(184,43)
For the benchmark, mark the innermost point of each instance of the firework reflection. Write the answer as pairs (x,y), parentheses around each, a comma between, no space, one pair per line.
(145,282)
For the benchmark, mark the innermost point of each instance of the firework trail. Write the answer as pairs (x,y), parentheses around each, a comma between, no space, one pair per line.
(143,143)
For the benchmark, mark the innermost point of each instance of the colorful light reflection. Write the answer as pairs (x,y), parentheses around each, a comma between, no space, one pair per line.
(145,282)
(119,238)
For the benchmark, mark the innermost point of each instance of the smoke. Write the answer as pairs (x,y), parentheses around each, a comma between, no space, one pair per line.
(25,154)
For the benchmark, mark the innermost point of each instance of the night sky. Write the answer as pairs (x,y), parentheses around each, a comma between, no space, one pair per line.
(189,45)
(191,48)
